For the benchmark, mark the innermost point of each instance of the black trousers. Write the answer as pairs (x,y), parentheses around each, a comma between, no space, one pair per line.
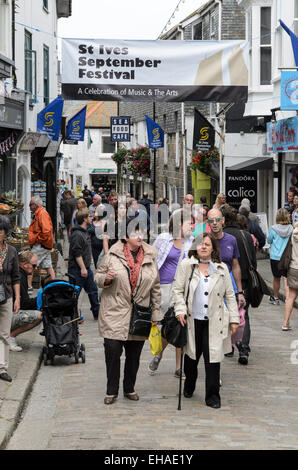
(113,352)
(212,370)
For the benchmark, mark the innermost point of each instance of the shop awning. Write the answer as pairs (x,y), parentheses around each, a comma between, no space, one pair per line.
(265,163)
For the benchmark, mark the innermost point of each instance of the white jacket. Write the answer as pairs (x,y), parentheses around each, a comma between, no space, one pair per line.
(222,307)
(163,245)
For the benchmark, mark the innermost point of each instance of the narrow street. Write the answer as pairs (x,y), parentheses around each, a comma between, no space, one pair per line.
(259,401)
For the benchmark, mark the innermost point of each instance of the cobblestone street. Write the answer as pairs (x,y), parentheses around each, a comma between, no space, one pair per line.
(259,401)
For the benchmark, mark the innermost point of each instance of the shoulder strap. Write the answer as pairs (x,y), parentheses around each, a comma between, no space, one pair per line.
(246,249)
(190,278)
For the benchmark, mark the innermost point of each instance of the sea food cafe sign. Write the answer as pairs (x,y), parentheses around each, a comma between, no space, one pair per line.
(282,136)
(121,70)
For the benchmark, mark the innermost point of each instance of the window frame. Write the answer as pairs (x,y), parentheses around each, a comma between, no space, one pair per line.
(46,79)
(263,45)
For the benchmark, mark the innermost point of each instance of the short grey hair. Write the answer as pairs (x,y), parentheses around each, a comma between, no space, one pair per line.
(37,200)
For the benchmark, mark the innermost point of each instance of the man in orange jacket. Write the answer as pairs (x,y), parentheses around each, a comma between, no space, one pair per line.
(40,235)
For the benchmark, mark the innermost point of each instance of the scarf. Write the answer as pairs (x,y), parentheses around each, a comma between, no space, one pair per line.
(3,254)
(134,267)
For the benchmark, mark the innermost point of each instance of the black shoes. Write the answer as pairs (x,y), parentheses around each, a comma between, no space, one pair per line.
(230,354)
(214,405)
(6,377)
(243,356)
(187,394)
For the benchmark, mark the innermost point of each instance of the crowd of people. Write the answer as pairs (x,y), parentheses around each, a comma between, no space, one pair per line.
(122,253)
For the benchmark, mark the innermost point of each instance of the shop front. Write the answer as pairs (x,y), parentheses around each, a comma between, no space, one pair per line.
(105,178)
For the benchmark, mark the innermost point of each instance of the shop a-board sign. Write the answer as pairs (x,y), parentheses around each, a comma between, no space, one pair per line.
(240,185)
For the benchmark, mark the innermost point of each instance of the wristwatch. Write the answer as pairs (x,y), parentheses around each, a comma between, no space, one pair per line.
(240,292)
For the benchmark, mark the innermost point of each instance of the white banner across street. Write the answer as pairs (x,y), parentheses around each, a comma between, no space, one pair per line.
(125,70)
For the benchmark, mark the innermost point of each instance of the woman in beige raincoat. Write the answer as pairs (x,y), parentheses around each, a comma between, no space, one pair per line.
(210,316)
(129,267)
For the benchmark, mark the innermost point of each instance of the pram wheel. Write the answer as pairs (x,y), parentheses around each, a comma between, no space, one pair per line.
(46,356)
(80,354)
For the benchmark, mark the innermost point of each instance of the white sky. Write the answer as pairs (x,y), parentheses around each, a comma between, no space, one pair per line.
(123,19)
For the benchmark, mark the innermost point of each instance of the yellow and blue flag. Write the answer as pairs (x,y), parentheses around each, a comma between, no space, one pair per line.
(49,119)
(76,126)
(155,134)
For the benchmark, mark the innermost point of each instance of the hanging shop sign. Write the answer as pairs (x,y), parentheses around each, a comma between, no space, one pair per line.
(7,144)
(120,70)
(12,114)
(289,91)
(282,136)
(242,184)
(120,128)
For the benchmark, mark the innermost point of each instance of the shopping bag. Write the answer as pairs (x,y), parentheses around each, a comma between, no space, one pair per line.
(155,340)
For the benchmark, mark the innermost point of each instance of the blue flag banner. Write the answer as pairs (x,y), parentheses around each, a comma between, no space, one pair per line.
(76,126)
(49,119)
(294,40)
(155,134)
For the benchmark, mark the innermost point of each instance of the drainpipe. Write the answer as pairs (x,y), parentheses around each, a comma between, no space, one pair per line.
(183,132)
(218,2)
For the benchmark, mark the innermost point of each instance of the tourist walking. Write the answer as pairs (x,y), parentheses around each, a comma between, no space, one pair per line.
(128,271)
(171,248)
(292,280)
(40,235)
(9,284)
(278,238)
(79,259)
(211,315)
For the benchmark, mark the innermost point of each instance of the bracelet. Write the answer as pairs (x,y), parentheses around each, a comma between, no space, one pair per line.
(240,292)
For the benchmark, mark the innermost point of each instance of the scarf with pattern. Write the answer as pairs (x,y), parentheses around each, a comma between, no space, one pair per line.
(134,267)
(3,254)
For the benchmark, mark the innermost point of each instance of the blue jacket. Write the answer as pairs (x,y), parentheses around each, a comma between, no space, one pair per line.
(278,238)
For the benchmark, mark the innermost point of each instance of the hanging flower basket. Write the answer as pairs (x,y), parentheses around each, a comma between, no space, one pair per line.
(206,162)
(138,161)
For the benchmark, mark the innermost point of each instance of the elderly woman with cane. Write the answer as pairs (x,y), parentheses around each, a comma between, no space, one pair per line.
(210,315)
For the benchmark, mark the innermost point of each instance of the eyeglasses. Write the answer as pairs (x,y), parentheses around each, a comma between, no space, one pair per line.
(33,265)
(211,221)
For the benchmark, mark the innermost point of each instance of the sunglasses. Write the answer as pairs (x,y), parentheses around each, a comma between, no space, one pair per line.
(211,221)
(33,265)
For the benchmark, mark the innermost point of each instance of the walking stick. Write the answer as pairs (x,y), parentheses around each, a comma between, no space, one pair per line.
(180,380)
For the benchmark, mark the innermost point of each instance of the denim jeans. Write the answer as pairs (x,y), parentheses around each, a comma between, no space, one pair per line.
(88,284)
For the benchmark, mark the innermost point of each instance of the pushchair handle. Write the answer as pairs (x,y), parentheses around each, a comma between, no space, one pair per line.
(71,278)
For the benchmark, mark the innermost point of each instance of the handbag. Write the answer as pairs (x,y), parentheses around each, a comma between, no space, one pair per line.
(256,285)
(172,330)
(286,257)
(140,320)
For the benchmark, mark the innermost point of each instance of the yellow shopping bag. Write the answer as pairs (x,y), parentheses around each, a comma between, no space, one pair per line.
(155,340)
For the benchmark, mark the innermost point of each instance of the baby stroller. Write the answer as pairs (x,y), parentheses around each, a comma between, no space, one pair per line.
(58,302)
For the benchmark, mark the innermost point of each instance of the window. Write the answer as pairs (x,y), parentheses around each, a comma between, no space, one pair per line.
(30,67)
(296,17)
(249,27)
(46,4)
(212,23)
(165,150)
(265,46)
(107,145)
(197,31)
(46,76)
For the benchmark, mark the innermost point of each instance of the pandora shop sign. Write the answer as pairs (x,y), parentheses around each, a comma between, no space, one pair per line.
(242,184)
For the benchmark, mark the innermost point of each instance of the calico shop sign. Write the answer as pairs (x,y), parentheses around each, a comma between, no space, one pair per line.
(121,70)
(242,184)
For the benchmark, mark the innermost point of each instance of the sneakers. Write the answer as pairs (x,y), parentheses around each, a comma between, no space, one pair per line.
(286,328)
(13,345)
(153,366)
(273,300)
(179,373)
